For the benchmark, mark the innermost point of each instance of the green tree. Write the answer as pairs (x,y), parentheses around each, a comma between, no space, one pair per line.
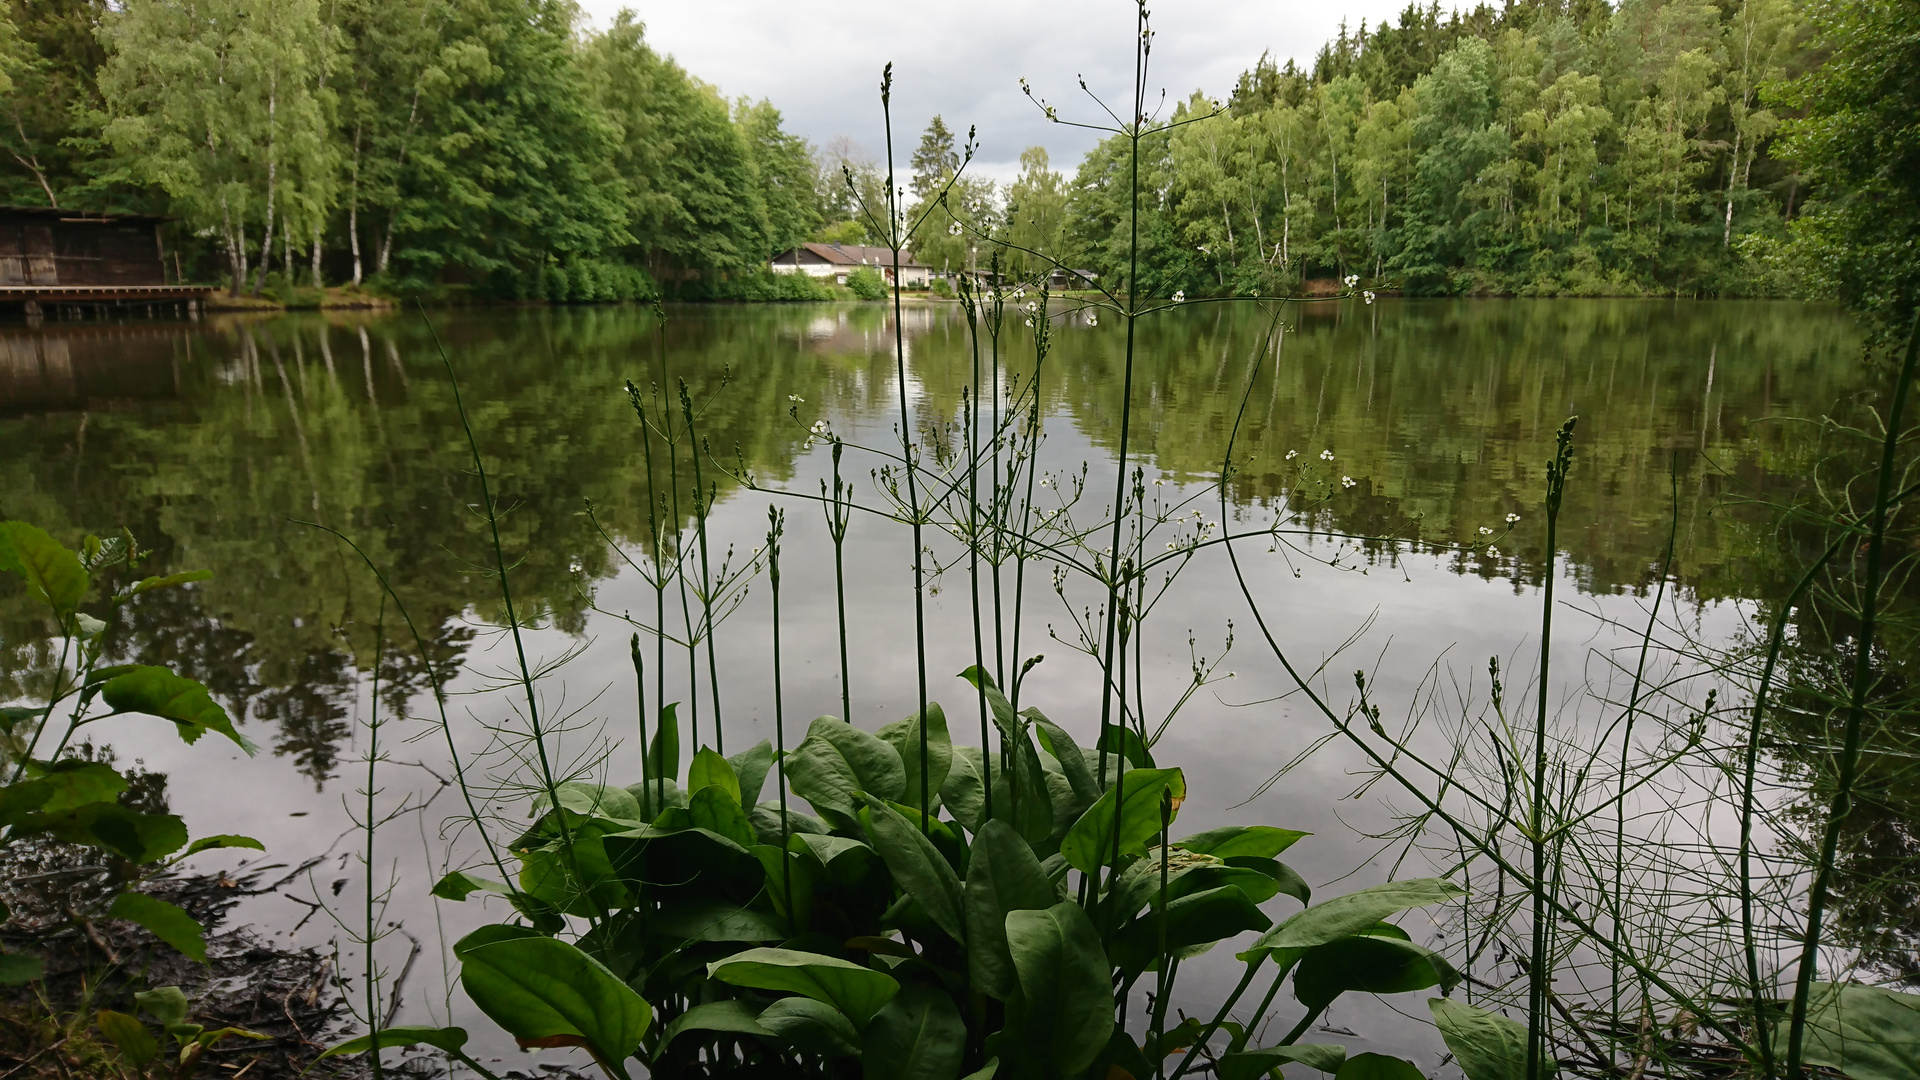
(693,197)
(784,166)
(934,161)
(509,163)
(1859,142)
(1037,211)
(222,104)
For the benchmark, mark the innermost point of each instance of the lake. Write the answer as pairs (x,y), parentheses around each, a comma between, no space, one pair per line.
(224,444)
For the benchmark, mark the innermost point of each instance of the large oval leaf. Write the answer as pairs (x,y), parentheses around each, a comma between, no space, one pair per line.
(709,769)
(1002,876)
(918,1036)
(1256,1064)
(1377,1067)
(857,991)
(1200,919)
(546,992)
(1090,843)
(1864,1031)
(1260,841)
(837,760)
(919,868)
(451,1039)
(1370,965)
(904,737)
(156,691)
(737,1017)
(1353,913)
(1486,1045)
(813,1026)
(1065,1013)
(54,575)
(168,922)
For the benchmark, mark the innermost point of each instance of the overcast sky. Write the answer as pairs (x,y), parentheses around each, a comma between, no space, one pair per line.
(820,62)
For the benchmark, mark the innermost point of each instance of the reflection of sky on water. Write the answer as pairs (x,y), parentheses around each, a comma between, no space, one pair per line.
(1408,613)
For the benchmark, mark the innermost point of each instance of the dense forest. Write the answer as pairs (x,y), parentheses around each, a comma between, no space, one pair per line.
(1549,147)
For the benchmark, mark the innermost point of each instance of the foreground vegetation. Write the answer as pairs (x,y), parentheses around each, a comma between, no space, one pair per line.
(1619,897)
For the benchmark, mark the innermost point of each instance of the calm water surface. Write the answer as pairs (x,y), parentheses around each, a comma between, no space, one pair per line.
(214,442)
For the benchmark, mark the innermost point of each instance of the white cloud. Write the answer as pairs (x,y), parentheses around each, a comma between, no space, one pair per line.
(820,63)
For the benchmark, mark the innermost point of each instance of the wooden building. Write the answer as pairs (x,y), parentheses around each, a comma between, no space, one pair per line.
(50,256)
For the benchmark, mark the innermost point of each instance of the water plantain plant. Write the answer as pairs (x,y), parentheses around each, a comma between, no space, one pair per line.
(963,912)
(47,793)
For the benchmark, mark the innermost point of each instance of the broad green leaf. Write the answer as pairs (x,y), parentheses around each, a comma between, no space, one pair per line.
(663,757)
(167,1004)
(459,885)
(1260,841)
(837,760)
(709,769)
(716,921)
(451,1039)
(131,1037)
(1864,1031)
(1010,724)
(547,993)
(919,868)
(575,880)
(53,574)
(737,1017)
(1200,919)
(1073,761)
(223,840)
(813,1026)
(594,801)
(1120,741)
(1377,1067)
(1090,843)
(61,786)
(1031,809)
(1370,965)
(985,1072)
(168,581)
(1353,913)
(656,797)
(17,968)
(1002,876)
(717,810)
(789,876)
(156,691)
(1191,872)
(751,766)
(1486,1045)
(1255,1064)
(917,1036)
(904,737)
(165,921)
(1066,1000)
(141,838)
(857,991)
(964,793)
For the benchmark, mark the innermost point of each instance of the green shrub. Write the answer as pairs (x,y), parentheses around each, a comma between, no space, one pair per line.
(867,284)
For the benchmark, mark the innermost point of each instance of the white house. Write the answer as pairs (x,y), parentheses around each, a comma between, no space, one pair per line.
(838,260)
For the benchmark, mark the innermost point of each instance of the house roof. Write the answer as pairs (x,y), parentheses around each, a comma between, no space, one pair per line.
(850,255)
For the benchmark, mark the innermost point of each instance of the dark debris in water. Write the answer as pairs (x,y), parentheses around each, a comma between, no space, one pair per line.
(47,1028)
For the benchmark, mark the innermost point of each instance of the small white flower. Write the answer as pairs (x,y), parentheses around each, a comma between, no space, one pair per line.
(1180,296)
(1291,454)
(1326,455)
(1029,322)
(796,399)
(1367,296)
(1352,280)
(1492,552)
(1019,292)
(1092,319)
(1347,481)
(1484,531)
(953,229)
(1032,307)
(575,567)
(1511,518)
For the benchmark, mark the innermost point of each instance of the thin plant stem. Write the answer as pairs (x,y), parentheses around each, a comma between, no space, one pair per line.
(1841,806)
(703,501)
(776,524)
(1537,973)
